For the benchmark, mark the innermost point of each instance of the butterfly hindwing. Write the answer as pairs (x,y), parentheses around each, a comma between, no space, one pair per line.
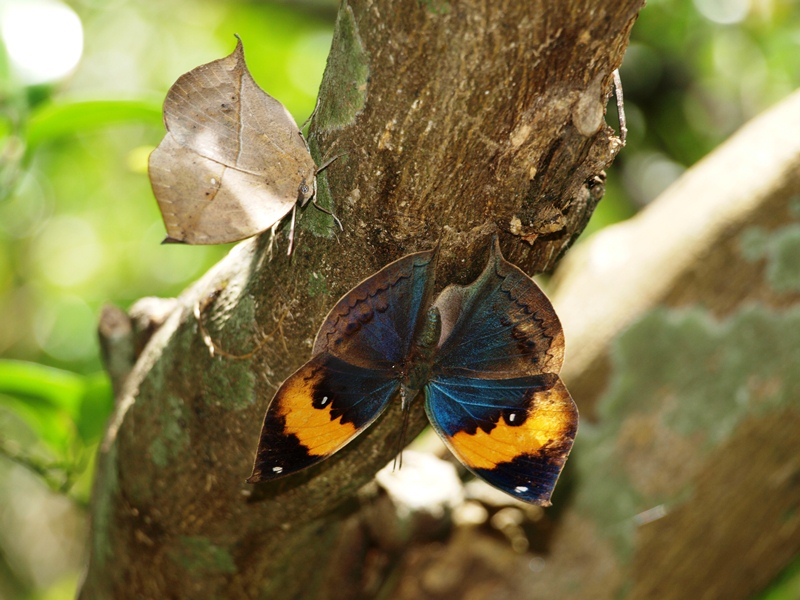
(210,208)
(317,411)
(514,433)
(376,322)
(501,325)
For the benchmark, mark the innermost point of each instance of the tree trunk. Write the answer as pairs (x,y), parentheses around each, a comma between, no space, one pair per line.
(451,120)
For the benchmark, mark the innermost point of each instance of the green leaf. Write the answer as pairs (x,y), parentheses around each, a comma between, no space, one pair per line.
(55,403)
(786,586)
(96,406)
(42,385)
(67,413)
(55,120)
(51,426)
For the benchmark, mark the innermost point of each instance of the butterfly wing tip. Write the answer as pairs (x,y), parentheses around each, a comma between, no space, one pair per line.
(171,240)
(538,495)
(496,254)
(541,499)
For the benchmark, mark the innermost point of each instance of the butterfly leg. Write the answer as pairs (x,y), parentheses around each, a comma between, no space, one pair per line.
(272,232)
(327,212)
(401,441)
(313,197)
(623,126)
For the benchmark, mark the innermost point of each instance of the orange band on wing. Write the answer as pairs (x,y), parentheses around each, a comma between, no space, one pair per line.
(313,426)
(549,418)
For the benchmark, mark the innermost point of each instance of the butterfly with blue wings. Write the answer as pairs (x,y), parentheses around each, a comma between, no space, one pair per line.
(487,356)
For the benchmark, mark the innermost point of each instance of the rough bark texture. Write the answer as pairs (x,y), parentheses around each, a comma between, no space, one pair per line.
(684,365)
(452,120)
(685,477)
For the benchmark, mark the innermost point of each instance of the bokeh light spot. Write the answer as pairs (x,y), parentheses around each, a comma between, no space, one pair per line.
(44,39)
(648,174)
(68,251)
(137,159)
(25,210)
(304,67)
(171,263)
(724,12)
(65,328)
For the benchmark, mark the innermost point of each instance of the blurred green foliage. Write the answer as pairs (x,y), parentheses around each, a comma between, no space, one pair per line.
(65,411)
(79,226)
(786,586)
(694,72)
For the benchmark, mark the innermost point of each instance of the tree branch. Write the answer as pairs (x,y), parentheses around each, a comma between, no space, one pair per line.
(453,120)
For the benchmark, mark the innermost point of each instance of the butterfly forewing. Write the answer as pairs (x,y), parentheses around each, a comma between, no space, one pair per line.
(375,323)
(317,411)
(495,396)
(208,212)
(501,325)
(218,111)
(515,434)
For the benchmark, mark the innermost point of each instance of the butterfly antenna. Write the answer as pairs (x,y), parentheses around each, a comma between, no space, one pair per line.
(328,163)
(311,116)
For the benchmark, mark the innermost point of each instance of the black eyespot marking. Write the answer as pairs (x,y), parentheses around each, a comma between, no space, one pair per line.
(381,305)
(364,313)
(352,327)
(515,418)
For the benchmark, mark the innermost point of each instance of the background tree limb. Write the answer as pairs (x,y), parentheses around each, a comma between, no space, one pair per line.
(685,366)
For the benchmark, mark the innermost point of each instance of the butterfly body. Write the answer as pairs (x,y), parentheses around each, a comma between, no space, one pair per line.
(417,371)
(486,357)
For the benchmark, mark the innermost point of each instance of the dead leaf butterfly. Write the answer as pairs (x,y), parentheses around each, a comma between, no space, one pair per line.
(486,356)
(233,162)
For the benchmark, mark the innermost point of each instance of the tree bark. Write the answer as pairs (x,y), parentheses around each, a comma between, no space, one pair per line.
(684,480)
(684,365)
(451,121)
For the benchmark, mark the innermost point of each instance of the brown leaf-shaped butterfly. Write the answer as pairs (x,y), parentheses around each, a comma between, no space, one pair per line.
(233,162)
